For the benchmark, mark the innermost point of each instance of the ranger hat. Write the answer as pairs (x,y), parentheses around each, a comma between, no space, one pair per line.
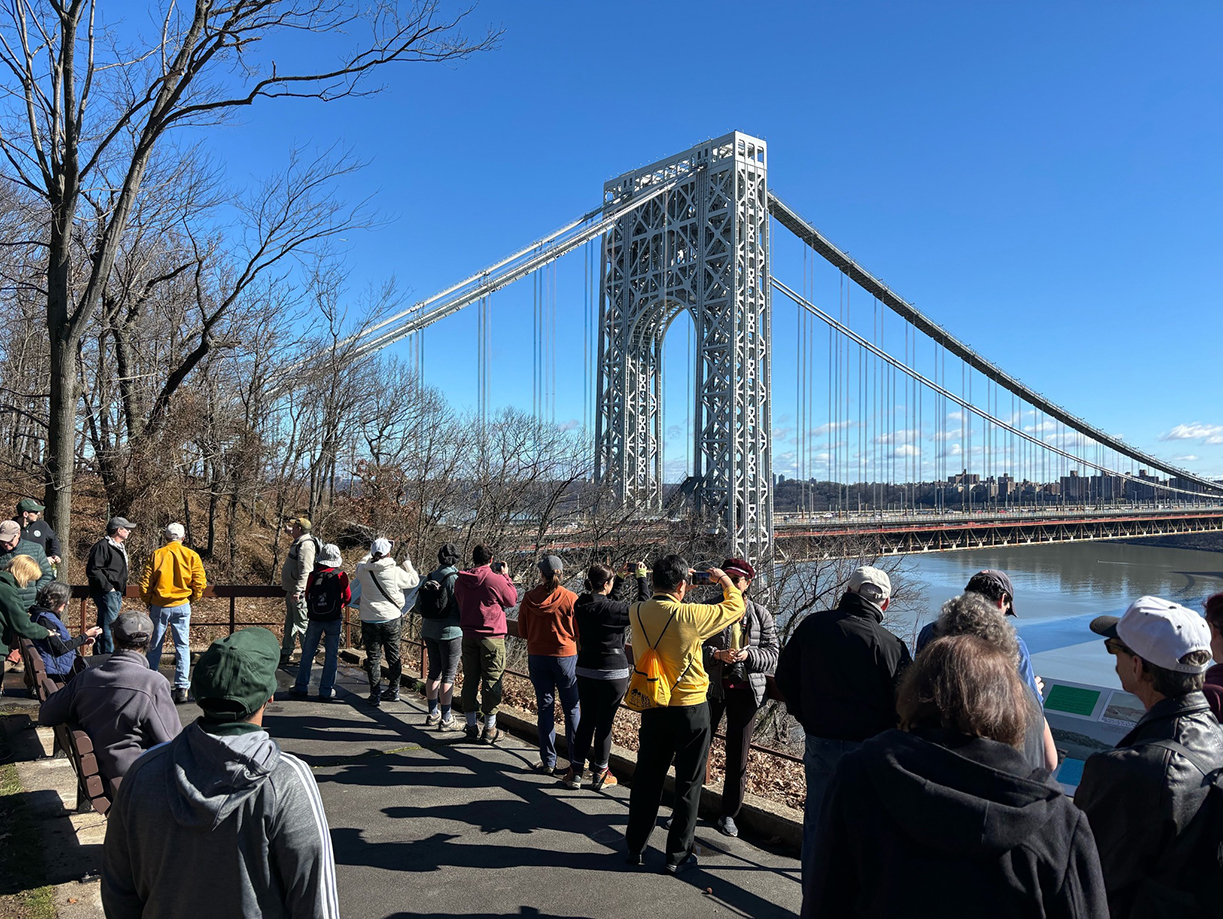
(236,675)
(1160,632)
(29,506)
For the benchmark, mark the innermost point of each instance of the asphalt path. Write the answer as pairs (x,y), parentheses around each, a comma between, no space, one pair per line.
(430,825)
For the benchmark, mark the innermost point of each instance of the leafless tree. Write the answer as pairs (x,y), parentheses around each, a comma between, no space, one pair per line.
(90,103)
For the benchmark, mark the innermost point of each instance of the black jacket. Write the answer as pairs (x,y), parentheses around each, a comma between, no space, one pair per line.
(762,650)
(939,824)
(1139,797)
(40,532)
(839,671)
(106,567)
(601,621)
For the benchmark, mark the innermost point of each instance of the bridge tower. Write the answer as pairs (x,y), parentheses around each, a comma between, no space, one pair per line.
(702,246)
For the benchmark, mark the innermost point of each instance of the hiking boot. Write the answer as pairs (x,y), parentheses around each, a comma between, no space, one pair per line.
(602,778)
(298,693)
(726,826)
(449,725)
(572,778)
(390,694)
(473,733)
(375,698)
(180,696)
(633,858)
(490,735)
(433,718)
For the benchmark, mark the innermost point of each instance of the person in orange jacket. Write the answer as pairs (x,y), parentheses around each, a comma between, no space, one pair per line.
(173,579)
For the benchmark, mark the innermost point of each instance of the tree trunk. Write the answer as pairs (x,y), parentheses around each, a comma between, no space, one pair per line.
(61,439)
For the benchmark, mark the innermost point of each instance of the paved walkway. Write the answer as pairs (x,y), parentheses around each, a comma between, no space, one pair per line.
(429,825)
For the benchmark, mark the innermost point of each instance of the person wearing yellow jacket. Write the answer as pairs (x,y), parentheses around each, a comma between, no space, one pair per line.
(680,731)
(173,579)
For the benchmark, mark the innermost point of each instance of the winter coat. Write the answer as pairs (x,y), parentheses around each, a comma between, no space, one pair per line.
(106,567)
(384,587)
(936,825)
(484,595)
(40,532)
(172,576)
(601,620)
(761,645)
(122,705)
(14,619)
(219,824)
(840,670)
(1139,797)
(679,644)
(545,621)
(299,562)
(34,551)
(58,649)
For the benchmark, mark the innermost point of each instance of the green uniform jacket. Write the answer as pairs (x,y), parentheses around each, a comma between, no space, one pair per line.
(34,551)
(14,619)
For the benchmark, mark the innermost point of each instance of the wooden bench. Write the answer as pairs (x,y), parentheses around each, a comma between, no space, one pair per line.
(91,788)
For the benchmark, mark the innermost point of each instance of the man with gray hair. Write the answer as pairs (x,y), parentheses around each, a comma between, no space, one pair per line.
(12,544)
(838,674)
(173,579)
(106,571)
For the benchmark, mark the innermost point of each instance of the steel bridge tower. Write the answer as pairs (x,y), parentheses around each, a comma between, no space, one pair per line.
(701,246)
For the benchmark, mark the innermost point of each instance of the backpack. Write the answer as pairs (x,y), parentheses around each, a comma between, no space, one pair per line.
(648,687)
(432,601)
(1188,877)
(324,600)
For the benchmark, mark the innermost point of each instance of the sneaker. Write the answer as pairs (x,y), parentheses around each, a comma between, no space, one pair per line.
(433,718)
(450,724)
(284,659)
(490,735)
(390,694)
(180,696)
(572,778)
(375,698)
(681,867)
(633,858)
(298,693)
(726,826)
(473,733)
(330,697)
(602,779)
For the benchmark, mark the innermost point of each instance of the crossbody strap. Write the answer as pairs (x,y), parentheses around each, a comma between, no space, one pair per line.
(373,576)
(1202,765)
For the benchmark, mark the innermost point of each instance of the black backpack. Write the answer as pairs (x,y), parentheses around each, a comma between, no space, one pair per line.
(324,600)
(432,601)
(1188,877)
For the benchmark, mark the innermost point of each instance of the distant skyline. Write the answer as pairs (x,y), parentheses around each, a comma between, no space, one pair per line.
(1041,179)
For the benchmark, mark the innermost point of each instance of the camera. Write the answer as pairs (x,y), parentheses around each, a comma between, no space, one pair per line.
(701,577)
(498,567)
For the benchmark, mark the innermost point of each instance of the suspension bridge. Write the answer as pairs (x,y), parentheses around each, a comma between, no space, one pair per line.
(900,430)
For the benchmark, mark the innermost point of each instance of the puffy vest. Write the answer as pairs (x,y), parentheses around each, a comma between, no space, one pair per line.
(61,665)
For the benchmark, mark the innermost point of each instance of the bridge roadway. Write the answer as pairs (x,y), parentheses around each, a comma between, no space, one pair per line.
(432,827)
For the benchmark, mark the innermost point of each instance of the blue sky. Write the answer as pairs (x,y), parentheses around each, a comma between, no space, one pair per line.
(1040,178)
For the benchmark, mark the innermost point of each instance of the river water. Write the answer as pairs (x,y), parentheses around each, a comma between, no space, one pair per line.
(1060,588)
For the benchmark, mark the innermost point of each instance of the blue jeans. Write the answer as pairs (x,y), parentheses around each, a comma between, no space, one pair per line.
(329,634)
(177,619)
(820,758)
(553,676)
(108,605)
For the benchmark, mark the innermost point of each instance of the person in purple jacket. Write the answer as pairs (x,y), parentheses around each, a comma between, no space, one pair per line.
(122,705)
(484,592)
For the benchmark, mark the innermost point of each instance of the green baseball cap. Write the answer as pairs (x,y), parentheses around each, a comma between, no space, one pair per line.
(29,506)
(236,675)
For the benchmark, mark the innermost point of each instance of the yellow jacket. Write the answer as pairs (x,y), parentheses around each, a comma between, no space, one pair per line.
(679,648)
(173,575)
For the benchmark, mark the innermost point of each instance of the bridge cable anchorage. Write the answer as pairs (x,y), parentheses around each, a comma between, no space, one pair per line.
(792,221)
(963,403)
(561,242)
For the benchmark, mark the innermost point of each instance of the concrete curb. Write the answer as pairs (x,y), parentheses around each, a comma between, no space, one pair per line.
(762,819)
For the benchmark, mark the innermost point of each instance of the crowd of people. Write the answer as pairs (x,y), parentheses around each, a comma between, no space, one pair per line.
(929,777)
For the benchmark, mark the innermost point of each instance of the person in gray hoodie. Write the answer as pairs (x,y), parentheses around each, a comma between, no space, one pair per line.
(220,821)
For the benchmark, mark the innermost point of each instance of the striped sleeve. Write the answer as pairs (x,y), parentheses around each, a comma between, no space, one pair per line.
(302,846)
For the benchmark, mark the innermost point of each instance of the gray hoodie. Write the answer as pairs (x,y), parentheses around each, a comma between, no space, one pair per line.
(211,826)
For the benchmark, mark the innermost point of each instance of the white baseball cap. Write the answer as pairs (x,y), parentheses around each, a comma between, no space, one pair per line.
(175,531)
(381,546)
(1159,631)
(871,584)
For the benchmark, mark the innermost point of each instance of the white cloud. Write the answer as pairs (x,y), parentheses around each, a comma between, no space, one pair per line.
(906,450)
(1211,434)
(897,437)
(1188,458)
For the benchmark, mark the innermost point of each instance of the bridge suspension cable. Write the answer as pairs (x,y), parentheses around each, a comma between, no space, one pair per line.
(791,220)
(966,404)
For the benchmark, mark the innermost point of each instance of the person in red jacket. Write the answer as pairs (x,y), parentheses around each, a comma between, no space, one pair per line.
(484,592)
(327,593)
(1213,689)
(546,623)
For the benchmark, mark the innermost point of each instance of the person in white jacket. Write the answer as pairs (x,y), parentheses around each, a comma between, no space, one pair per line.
(385,588)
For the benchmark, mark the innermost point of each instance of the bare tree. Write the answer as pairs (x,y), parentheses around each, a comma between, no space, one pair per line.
(87,113)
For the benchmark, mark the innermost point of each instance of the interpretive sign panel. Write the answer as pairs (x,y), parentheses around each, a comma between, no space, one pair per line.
(1085,720)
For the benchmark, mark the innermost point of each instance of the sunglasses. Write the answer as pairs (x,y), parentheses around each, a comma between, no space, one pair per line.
(1117,646)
